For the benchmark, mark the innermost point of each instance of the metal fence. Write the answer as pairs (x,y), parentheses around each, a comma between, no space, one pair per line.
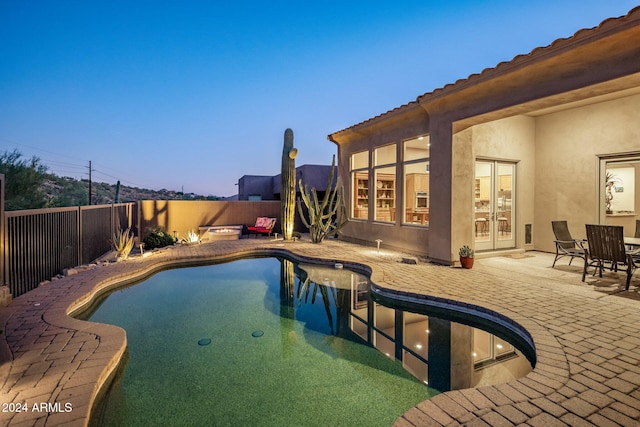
(41,243)
(38,244)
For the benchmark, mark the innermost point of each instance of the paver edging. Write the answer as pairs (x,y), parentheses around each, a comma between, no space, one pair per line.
(135,270)
(527,331)
(112,339)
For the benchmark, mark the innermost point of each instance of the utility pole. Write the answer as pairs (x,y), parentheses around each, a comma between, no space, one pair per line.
(90,181)
(117,191)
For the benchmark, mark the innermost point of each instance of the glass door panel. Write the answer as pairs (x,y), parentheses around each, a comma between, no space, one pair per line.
(494,208)
(504,236)
(483,205)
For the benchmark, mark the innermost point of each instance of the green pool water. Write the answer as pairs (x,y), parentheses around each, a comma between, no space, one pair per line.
(307,368)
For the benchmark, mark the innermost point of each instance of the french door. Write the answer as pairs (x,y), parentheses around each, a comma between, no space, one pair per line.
(494,205)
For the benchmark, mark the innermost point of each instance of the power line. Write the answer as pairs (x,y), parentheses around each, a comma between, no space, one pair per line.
(66,164)
(106,174)
(60,172)
(120,178)
(108,168)
(37,149)
(80,168)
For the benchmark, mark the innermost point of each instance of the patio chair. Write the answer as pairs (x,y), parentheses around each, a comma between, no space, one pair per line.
(263,225)
(606,245)
(635,251)
(565,244)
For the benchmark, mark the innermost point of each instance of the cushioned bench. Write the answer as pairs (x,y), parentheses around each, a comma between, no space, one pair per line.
(264,225)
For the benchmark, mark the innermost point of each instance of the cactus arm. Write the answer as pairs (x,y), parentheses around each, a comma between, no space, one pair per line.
(304,193)
(328,192)
(327,216)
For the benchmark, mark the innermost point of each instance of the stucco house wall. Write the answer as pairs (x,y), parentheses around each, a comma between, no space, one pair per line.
(181,216)
(410,239)
(255,186)
(269,187)
(511,140)
(568,146)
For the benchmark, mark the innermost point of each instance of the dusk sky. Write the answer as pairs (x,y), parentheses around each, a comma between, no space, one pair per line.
(166,94)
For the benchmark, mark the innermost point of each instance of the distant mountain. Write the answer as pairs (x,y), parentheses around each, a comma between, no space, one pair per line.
(65,191)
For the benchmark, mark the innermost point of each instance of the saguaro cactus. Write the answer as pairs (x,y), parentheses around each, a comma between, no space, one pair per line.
(288,185)
(328,216)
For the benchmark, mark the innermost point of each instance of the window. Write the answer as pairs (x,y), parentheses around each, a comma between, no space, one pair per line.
(489,349)
(416,181)
(415,348)
(360,185)
(384,329)
(385,183)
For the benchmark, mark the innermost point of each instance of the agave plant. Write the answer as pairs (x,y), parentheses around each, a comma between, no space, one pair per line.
(122,242)
(191,238)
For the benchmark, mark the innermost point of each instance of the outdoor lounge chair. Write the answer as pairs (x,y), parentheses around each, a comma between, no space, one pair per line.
(565,244)
(606,245)
(263,225)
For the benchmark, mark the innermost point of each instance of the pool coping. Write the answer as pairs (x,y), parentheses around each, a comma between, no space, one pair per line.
(57,358)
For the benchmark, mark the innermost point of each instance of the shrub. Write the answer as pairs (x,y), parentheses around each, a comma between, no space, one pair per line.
(156,238)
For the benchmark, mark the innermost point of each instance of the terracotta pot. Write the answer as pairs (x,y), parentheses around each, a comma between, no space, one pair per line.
(467,262)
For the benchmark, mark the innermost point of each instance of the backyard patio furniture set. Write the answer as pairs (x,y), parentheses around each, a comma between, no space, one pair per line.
(605,247)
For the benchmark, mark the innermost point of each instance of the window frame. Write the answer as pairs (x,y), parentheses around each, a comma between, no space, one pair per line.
(414,161)
(379,165)
(353,171)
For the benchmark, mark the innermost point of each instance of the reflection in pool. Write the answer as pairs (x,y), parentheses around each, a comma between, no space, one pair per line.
(442,353)
(269,342)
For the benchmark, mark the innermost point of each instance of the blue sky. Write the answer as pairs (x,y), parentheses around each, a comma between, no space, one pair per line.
(166,94)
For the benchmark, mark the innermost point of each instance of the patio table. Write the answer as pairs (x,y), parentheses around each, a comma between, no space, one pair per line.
(632,241)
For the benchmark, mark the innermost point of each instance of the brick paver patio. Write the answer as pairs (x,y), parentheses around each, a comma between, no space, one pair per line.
(587,337)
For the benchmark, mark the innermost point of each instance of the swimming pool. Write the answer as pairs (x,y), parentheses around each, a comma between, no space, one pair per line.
(267,341)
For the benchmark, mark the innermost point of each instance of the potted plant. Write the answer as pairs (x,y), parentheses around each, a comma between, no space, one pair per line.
(466,256)
(610,181)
